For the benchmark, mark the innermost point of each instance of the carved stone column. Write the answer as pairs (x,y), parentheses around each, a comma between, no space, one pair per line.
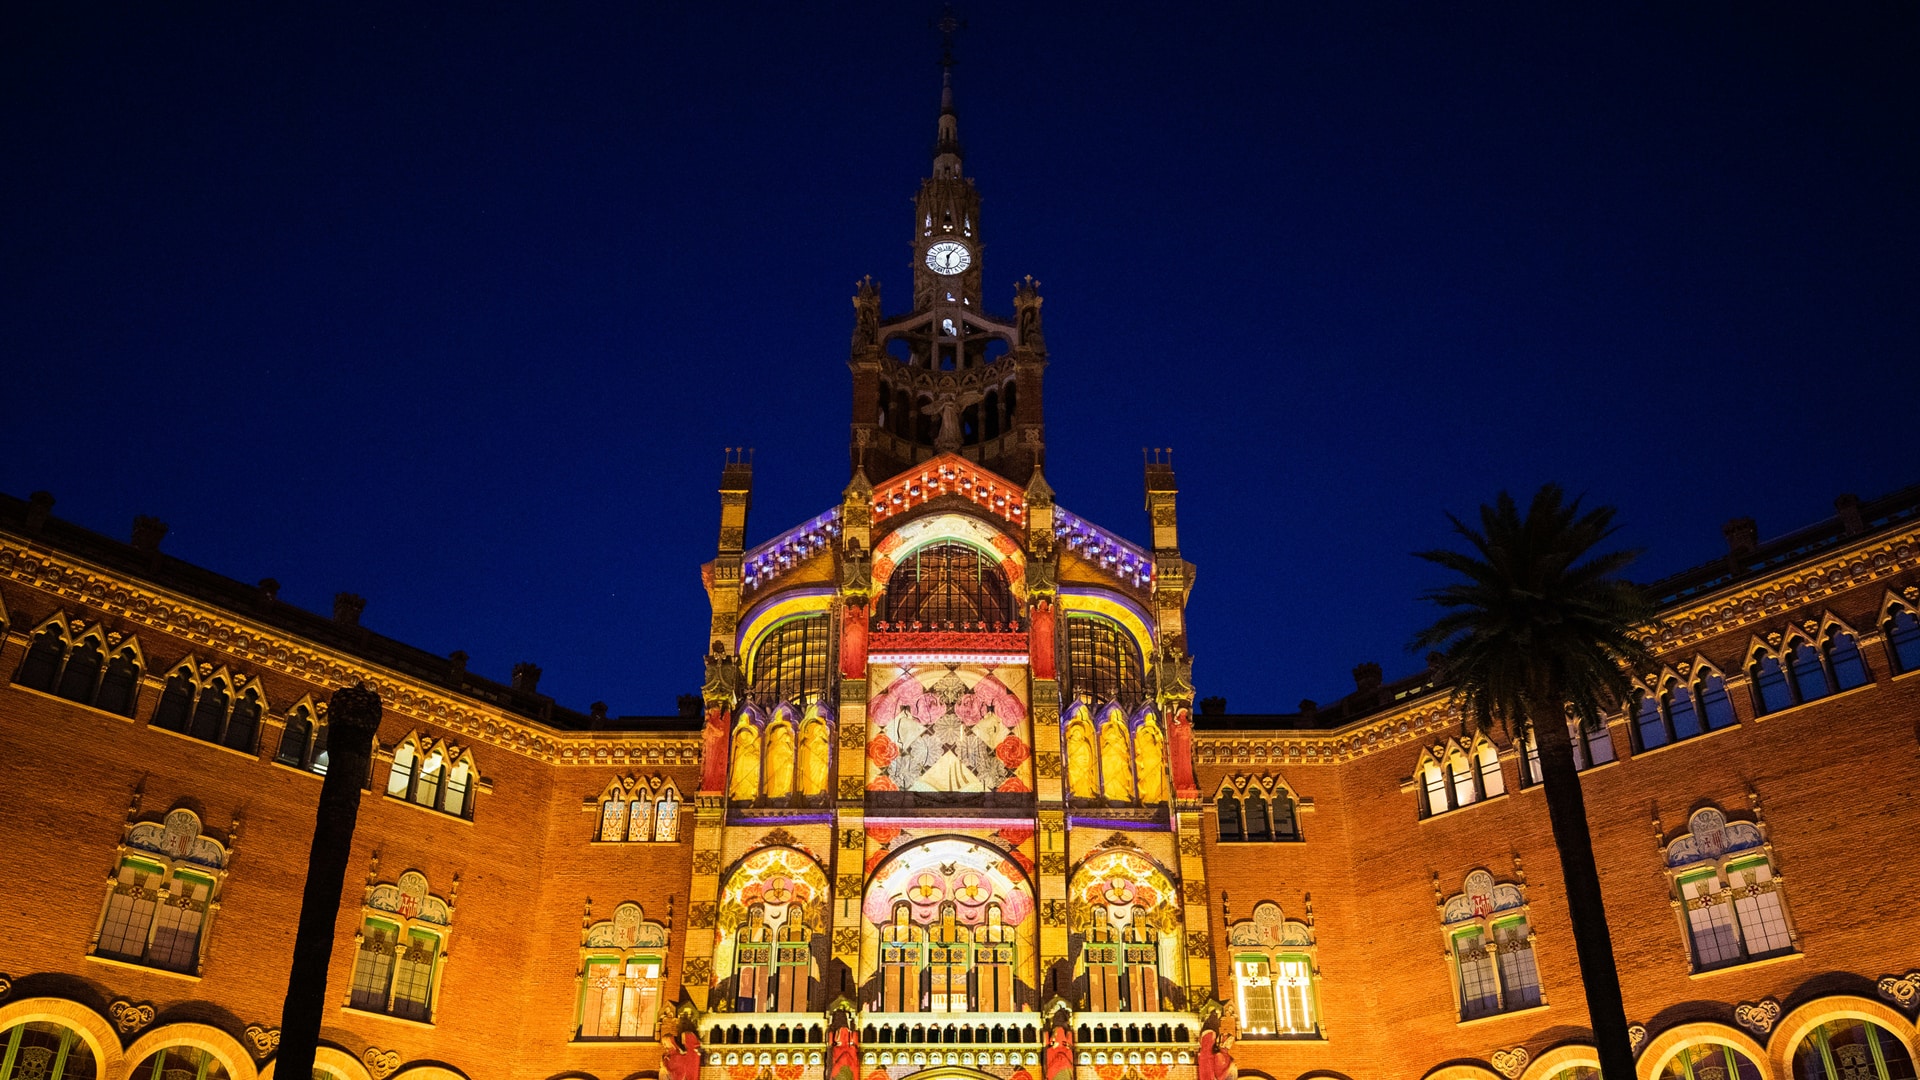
(353,716)
(703,895)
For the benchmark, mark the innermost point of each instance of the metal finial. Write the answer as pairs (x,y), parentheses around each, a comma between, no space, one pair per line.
(947,23)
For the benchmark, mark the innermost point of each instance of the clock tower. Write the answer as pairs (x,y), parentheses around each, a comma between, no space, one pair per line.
(947,376)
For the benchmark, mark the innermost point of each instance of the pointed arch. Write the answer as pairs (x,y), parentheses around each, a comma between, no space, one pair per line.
(1839,653)
(1116,757)
(400,775)
(1083,769)
(1150,759)
(1806,671)
(780,742)
(177,697)
(1900,630)
(119,690)
(815,754)
(86,661)
(46,654)
(210,708)
(743,783)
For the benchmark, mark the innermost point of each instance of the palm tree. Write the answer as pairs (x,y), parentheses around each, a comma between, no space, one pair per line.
(1539,632)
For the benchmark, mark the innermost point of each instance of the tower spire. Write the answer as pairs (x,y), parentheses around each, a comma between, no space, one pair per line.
(946,148)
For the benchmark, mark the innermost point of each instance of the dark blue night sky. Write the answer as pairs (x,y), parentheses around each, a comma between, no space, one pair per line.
(455,306)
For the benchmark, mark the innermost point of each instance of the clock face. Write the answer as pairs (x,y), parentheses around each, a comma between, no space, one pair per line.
(949,257)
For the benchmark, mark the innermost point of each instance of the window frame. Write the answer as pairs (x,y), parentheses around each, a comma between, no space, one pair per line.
(154,866)
(407,928)
(419,757)
(1463,915)
(1701,874)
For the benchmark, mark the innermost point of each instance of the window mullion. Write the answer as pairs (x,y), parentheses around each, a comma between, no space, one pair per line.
(13,1050)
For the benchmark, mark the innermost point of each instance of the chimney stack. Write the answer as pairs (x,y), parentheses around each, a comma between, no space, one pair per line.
(39,508)
(347,608)
(147,534)
(1848,506)
(1366,677)
(1743,536)
(526,677)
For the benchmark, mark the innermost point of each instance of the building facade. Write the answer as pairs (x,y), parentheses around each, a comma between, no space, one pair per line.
(947,806)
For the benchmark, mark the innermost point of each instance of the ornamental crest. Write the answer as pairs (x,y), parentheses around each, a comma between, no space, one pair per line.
(1479,897)
(1269,926)
(626,930)
(1710,835)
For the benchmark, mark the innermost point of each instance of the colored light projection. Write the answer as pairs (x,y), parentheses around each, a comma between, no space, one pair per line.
(773,906)
(781,759)
(949,728)
(1125,913)
(949,927)
(1118,761)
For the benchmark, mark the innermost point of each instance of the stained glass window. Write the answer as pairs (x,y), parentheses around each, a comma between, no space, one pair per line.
(40,1050)
(948,582)
(790,664)
(1103,664)
(1903,639)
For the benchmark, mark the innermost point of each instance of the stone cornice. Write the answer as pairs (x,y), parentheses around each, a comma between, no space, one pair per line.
(71,581)
(1747,606)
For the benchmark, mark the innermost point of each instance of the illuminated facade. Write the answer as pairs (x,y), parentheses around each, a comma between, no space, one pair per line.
(947,806)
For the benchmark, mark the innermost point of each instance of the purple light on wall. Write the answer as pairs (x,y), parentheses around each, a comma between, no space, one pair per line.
(1087,540)
(789,549)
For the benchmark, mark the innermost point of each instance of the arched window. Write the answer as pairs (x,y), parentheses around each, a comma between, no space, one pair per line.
(1083,768)
(1649,726)
(1433,788)
(666,818)
(1486,762)
(1591,746)
(403,937)
(41,1050)
(244,721)
(790,663)
(1490,943)
(1122,953)
(181,1063)
(210,712)
(163,890)
(1228,817)
(400,777)
(744,782)
(1710,1061)
(1809,675)
(1259,825)
(120,684)
(1103,662)
(1731,906)
(1150,762)
(778,783)
(299,748)
(1682,719)
(81,677)
(1771,692)
(1842,656)
(1116,759)
(622,960)
(1903,638)
(41,668)
(1274,972)
(1852,1049)
(1286,816)
(1715,707)
(1460,773)
(815,759)
(176,702)
(433,774)
(947,582)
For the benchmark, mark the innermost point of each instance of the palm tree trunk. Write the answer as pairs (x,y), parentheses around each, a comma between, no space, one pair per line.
(352,718)
(1567,811)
